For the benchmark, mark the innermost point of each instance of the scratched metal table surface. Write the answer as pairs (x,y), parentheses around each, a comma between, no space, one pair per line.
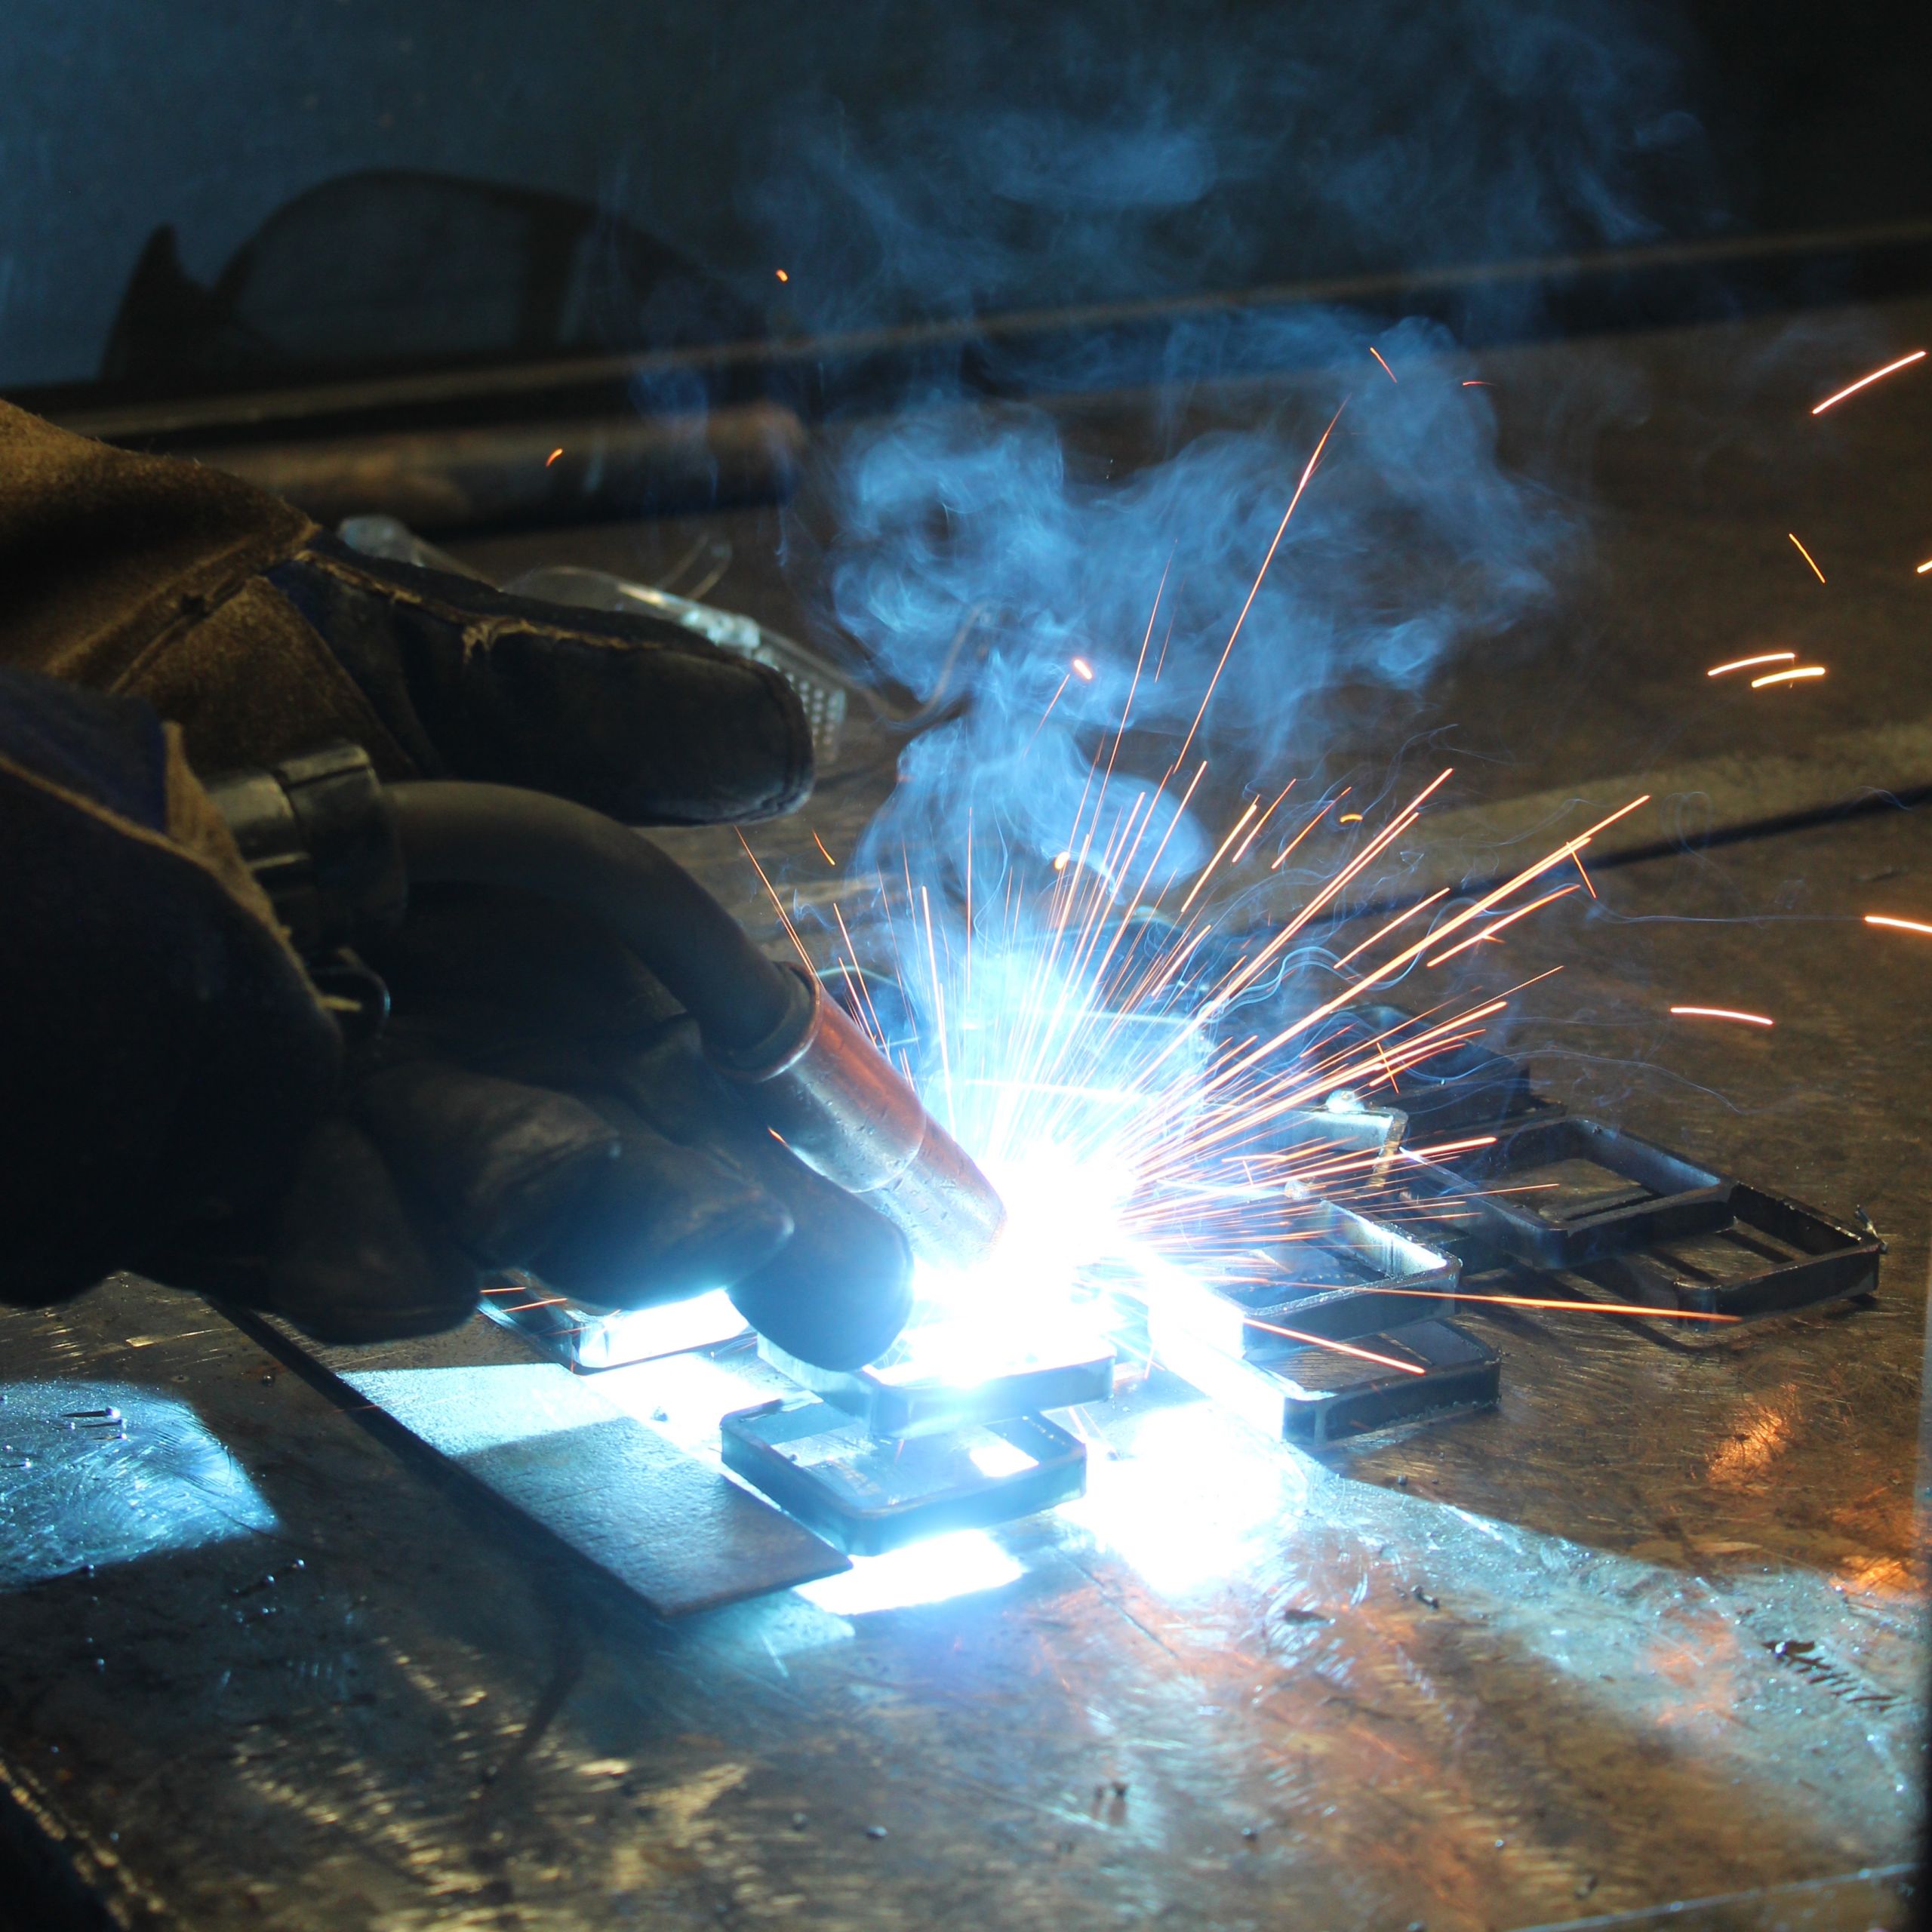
(1650,1633)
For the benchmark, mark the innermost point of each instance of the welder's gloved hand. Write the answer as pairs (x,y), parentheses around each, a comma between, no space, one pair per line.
(240,620)
(537,1102)
(543,1105)
(179,1099)
(165,1055)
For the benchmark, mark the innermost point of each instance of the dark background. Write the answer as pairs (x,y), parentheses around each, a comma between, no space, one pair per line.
(917,159)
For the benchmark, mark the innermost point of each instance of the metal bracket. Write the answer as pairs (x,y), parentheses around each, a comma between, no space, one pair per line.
(1558,1193)
(894,1409)
(822,1466)
(1312,1396)
(1774,1257)
(1361,1277)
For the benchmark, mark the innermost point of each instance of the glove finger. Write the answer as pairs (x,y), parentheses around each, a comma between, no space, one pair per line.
(666,1077)
(661,1221)
(503,1164)
(350,1262)
(842,1288)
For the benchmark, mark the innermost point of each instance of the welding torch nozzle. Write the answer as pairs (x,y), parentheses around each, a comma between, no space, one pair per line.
(833,1098)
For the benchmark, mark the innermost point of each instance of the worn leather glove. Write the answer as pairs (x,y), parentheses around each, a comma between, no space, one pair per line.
(537,1100)
(544,1104)
(240,620)
(165,1053)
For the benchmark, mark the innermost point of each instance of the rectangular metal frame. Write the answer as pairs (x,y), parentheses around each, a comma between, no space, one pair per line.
(754,1443)
(899,1411)
(1809,1258)
(1458,1373)
(1388,1260)
(1679,1198)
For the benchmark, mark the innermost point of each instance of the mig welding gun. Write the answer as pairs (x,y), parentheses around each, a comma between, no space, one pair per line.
(337,851)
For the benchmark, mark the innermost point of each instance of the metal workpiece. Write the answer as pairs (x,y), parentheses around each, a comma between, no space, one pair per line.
(868,1497)
(1559,1192)
(1772,1257)
(1466,1086)
(898,1398)
(1314,1397)
(528,1438)
(1342,1140)
(829,1094)
(1347,1275)
(589,1341)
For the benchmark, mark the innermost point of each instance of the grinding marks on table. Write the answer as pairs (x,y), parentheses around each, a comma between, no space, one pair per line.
(671,1529)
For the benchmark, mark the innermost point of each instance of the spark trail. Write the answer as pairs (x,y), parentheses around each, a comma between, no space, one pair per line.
(1144,1076)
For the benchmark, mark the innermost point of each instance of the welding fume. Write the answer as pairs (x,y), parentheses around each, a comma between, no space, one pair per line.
(401,1001)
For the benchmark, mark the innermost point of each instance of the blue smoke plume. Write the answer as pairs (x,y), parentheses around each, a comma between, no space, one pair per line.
(1034,161)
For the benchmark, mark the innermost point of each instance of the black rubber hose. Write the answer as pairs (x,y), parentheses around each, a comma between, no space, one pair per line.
(498,834)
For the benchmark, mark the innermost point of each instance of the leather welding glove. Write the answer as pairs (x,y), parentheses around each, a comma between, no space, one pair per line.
(165,1055)
(241,621)
(519,1022)
(440,1150)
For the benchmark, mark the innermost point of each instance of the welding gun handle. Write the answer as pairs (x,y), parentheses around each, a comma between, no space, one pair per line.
(820,1084)
(501,835)
(336,850)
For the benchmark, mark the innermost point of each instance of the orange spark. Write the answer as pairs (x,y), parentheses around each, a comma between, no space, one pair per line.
(1562,1306)
(1495,926)
(1048,712)
(1807,556)
(823,853)
(1746,663)
(1310,825)
(784,918)
(1722,1012)
(1389,968)
(1349,818)
(1307,471)
(1420,906)
(1386,369)
(1575,858)
(781,275)
(1253,805)
(1060,859)
(1241,851)
(1083,670)
(1852,389)
(1477,383)
(1898,925)
(1924,568)
(1340,1348)
(552,456)
(1787,677)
